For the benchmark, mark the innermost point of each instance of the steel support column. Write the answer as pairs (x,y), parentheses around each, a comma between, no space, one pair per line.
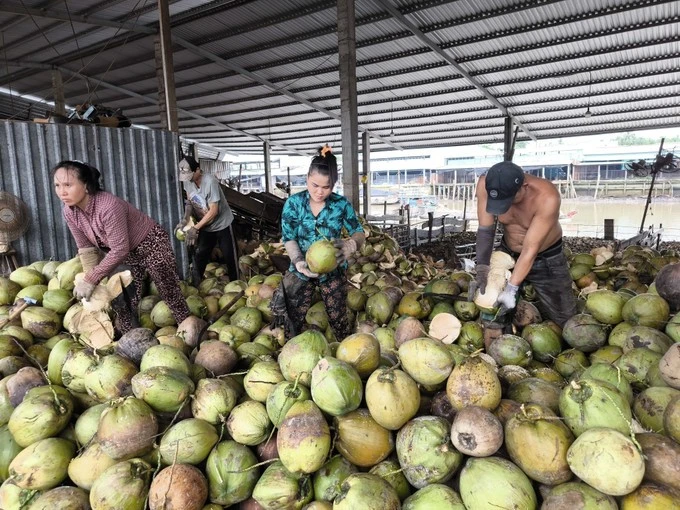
(509,139)
(58,88)
(366,172)
(166,70)
(349,117)
(267,167)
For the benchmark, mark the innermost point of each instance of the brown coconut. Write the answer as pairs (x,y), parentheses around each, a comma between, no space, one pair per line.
(440,405)
(669,366)
(178,487)
(216,357)
(25,379)
(190,330)
(526,313)
(668,285)
(408,329)
(267,450)
(133,344)
(662,459)
(476,432)
(671,419)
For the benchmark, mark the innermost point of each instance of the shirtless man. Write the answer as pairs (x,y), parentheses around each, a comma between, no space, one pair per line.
(529,209)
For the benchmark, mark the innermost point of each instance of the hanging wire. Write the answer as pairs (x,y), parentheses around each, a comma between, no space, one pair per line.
(590,89)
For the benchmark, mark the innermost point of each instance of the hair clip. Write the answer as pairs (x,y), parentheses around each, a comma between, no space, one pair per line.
(326,148)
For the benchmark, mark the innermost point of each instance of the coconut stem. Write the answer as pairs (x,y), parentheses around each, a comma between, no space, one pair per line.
(259,464)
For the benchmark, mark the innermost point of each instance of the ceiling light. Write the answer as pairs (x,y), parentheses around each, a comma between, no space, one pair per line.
(587,114)
(590,88)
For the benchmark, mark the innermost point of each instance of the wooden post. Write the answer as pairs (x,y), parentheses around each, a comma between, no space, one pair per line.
(608,229)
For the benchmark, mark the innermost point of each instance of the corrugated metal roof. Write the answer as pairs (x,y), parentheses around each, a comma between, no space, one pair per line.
(546,60)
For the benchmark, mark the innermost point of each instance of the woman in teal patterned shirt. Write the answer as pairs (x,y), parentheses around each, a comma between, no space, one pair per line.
(314,214)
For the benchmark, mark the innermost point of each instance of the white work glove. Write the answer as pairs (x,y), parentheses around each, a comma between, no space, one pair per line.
(303,268)
(344,249)
(83,289)
(508,298)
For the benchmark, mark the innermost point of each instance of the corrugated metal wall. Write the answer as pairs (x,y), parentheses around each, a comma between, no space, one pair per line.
(139,165)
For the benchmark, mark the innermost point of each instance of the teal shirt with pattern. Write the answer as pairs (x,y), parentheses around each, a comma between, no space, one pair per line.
(298,223)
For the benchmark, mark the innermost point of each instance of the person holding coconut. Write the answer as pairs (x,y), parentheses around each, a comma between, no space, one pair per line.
(528,207)
(313,215)
(102,223)
(206,202)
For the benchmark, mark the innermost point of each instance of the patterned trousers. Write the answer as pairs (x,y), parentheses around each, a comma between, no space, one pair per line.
(299,294)
(154,256)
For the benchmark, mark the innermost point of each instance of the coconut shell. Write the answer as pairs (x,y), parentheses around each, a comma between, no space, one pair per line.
(216,357)
(668,285)
(25,379)
(476,432)
(662,459)
(133,344)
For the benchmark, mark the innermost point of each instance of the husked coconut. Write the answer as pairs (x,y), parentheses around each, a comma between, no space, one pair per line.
(499,274)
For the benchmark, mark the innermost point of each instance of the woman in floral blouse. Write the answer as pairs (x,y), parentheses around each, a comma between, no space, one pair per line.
(311,215)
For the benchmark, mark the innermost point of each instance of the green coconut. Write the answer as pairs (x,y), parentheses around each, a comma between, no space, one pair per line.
(110,378)
(510,350)
(62,498)
(67,271)
(392,397)
(425,451)
(473,382)
(281,399)
(605,306)
(328,479)
(379,308)
(214,399)
(58,300)
(188,442)
(320,257)
(636,363)
(165,356)
(26,276)
(566,495)
(362,351)
(303,440)
(471,336)
(643,336)
(612,375)
(8,291)
(493,482)
(434,497)
(164,389)
(90,463)
(571,362)
(231,473)
(336,386)
(368,492)
(261,379)
(599,452)
(87,424)
(76,366)
(123,486)
(650,404)
(607,355)
(43,413)
(361,440)
(391,472)
(42,465)
(41,322)
(300,354)
(426,360)
(585,333)
(127,428)
(248,319)
(8,450)
(279,488)
(534,390)
(162,316)
(591,403)
(537,442)
(545,343)
(647,310)
(248,423)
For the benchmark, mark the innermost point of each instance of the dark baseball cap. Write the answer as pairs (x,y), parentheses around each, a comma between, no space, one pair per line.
(503,181)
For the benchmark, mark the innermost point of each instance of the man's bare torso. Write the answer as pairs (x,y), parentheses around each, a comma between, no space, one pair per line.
(519,217)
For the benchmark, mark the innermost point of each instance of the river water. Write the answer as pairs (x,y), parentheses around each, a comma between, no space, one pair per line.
(585,217)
